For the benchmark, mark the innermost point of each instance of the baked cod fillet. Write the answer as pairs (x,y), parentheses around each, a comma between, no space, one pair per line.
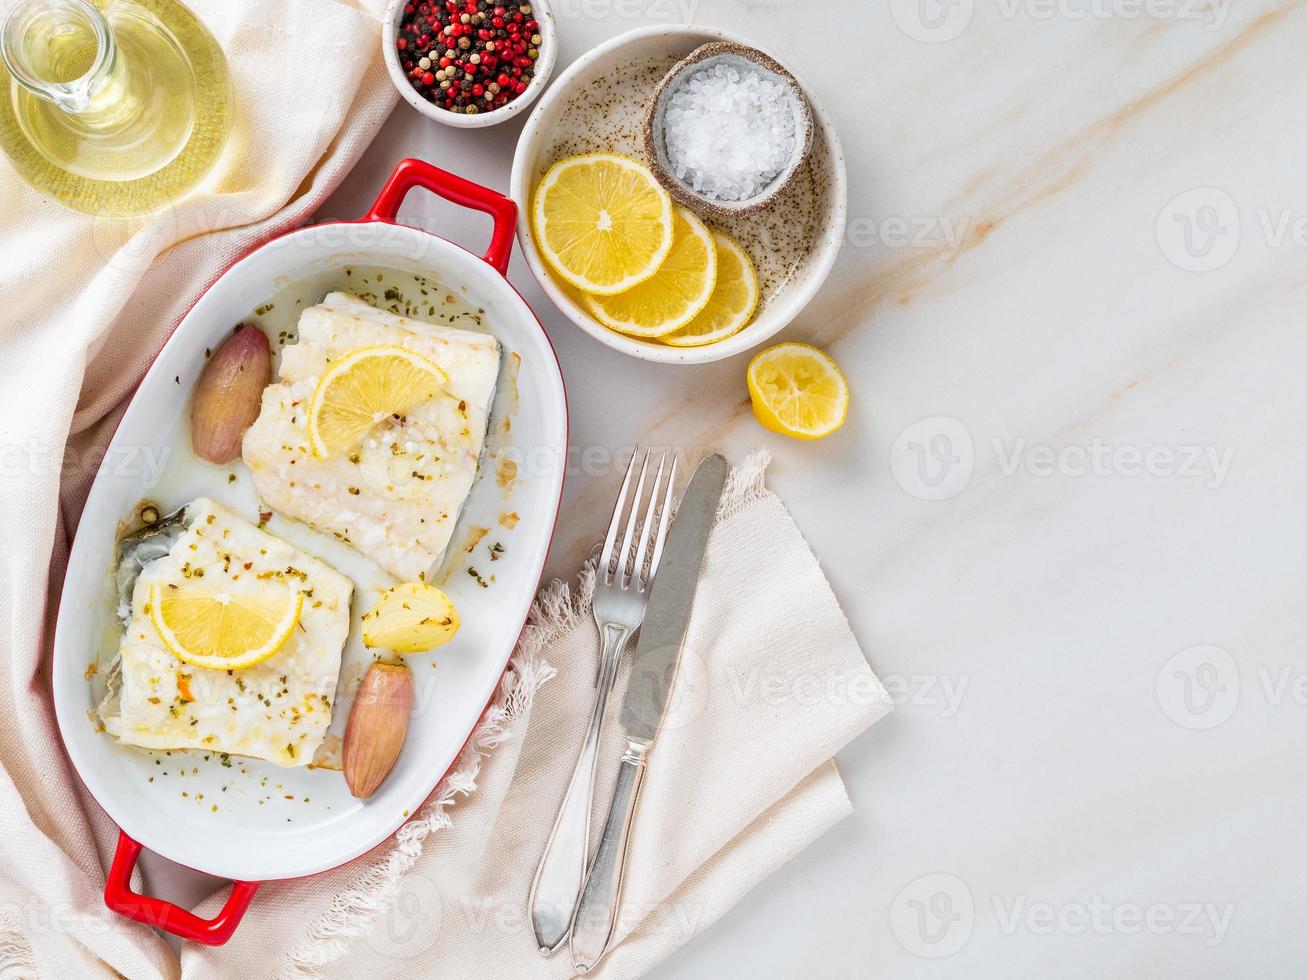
(397,496)
(278,709)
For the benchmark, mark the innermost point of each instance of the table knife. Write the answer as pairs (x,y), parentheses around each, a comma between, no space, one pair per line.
(657,655)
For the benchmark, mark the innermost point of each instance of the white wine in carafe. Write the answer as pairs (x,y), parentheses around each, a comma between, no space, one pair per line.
(115,108)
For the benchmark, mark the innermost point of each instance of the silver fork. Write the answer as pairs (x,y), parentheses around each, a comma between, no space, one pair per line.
(622,582)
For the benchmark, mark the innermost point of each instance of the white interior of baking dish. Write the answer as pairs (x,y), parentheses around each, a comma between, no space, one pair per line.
(271,822)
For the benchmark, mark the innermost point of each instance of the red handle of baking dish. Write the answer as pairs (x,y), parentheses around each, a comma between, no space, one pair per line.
(417,173)
(118,895)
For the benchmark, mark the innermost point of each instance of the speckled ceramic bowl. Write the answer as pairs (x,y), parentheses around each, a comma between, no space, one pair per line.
(740,57)
(599,105)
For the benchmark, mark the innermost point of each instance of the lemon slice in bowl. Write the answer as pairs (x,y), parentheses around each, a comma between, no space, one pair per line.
(798,390)
(364,387)
(676,294)
(224,631)
(602,222)
(733,302)
(410,618)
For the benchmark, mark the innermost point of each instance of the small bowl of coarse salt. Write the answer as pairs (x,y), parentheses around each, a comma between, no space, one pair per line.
(727,129)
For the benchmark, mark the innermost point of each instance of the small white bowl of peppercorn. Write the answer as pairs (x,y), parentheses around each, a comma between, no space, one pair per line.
(470,63)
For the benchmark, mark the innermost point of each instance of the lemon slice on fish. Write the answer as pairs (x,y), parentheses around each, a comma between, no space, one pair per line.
(364,387)
(224,631)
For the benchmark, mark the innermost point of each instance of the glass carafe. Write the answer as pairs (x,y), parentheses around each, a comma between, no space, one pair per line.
(115,108)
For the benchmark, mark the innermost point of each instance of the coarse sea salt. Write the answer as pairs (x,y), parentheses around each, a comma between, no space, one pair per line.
(729,132)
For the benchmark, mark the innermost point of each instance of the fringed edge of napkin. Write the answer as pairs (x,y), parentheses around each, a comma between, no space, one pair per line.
(558,609)
(17,958)
(353,910)
(745,484)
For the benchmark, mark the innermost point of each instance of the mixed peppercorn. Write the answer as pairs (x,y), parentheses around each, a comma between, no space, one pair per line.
(469,56)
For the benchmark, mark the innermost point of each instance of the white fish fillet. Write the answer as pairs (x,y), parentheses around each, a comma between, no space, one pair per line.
(398,497)
(277,710)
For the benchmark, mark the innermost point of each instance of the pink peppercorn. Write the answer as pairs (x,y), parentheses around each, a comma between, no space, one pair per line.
(502,35)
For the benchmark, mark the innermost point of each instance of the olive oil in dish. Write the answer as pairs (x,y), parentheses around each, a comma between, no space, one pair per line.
(114,108)
(397,291)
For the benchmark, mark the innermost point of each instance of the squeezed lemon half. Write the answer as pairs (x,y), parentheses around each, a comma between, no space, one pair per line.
(798,390)
(220,631)
(602,222)
(364,387)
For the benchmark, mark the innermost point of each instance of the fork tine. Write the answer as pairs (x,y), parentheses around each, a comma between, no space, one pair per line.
(647,531)
(664,521)
(606,557)
(624,557)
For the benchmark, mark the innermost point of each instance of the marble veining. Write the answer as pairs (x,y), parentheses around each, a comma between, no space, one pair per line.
(1065,517)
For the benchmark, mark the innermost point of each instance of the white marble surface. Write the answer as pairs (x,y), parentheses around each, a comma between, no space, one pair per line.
(1113,424)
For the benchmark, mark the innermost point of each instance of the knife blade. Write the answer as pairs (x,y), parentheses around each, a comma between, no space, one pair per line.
(657,656)
(658,648)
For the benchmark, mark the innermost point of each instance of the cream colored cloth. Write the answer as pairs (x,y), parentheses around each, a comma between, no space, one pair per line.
(86,304)
(772,684)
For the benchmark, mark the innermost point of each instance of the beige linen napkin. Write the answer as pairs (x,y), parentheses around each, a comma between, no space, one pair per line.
(772,685)
(86,304)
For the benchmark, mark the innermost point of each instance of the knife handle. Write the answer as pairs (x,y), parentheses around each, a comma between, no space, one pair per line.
(596,915)
(561,871)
